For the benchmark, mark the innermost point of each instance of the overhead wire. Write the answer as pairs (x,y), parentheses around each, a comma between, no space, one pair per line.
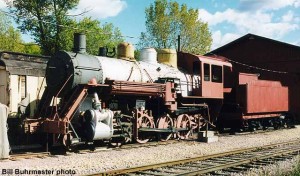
(255,67)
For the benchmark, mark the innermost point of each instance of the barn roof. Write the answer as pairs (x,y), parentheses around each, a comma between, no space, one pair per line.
(249,37)
(23,64)
(262,52)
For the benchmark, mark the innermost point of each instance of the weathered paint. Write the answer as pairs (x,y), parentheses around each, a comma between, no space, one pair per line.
(23,64)
(14,93)
(15,67)
(3,86)
(33,86)
(11,90)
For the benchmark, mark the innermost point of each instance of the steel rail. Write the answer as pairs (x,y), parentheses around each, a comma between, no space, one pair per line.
(238,162)
(19,156)
(207,157)
(127,146)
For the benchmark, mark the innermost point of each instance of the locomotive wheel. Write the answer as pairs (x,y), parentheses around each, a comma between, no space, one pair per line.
(165,122)
(144,121)
(66,140)
(197,122)
(183,121)
(118,143)
(115,144)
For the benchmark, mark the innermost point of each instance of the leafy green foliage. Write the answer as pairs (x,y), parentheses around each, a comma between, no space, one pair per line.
(11,38)
(166,20)
(32,48)
(96,35)
(43,19)
(52,28)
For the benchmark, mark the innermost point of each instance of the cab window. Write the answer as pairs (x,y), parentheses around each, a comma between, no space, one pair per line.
(206,72)
(216,73)
(196,68)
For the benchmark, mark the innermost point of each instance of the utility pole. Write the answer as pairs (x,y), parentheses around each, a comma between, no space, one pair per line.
(179,47)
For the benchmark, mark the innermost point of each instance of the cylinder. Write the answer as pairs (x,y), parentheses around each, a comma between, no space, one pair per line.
(98,124)
(168,57)
(79,43)
(148,55)
(125,51)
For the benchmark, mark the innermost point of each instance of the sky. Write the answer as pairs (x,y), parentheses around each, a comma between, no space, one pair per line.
(227,19)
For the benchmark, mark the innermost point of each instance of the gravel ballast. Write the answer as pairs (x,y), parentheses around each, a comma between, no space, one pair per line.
(89,163)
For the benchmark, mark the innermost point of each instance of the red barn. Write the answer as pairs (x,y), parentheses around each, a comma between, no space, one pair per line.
(271,59)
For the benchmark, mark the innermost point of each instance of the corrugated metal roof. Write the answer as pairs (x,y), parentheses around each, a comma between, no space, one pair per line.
(24,64)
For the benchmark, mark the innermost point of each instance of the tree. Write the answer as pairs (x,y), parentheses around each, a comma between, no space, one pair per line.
(166,20)
(52,28)
(32,48)
(9,37)
(96,35)
(44,20)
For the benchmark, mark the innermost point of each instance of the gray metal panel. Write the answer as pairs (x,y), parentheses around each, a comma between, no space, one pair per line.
(66,70)
(86,67)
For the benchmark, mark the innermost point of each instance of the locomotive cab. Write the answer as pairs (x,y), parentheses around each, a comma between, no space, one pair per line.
(207,74)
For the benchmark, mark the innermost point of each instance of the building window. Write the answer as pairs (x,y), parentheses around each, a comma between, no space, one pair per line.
(216,73)
(23,86)
(206,72)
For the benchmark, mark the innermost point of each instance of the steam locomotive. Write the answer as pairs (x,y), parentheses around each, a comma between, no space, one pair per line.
(120,100)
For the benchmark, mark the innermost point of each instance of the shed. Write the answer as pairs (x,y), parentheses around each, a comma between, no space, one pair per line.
(271,59)
(21,79)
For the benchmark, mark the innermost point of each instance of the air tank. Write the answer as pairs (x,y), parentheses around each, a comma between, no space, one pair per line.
(148,55)
(125,51)
(168,57)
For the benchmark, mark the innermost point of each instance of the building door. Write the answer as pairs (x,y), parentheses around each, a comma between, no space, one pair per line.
(3,87)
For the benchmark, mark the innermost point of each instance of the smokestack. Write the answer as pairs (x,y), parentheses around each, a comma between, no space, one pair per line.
(79,43)
(102,51)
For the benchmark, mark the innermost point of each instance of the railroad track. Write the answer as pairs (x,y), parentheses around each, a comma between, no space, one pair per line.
(82,150)
(259,131)
(28,155)
(149,144)
(128,146)
(218,164)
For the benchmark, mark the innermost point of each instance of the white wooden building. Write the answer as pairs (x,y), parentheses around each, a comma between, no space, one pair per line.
(21,81)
